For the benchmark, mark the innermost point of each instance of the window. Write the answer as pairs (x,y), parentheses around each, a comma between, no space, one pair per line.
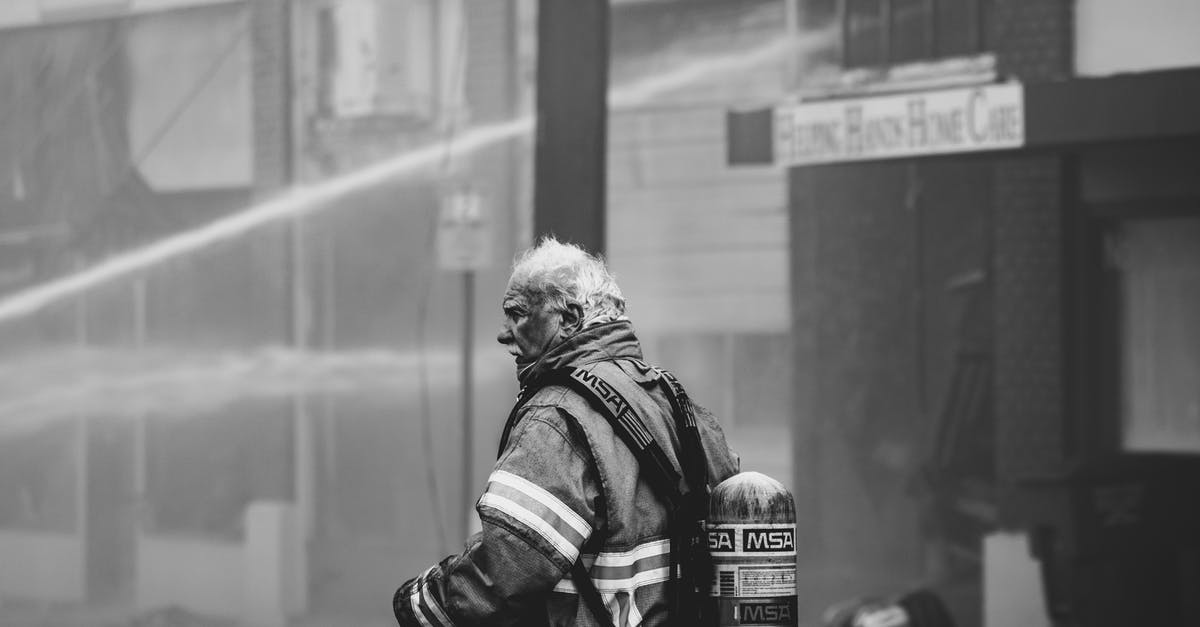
(393,57)
(821,18)
(191,128)
(957,28)
(864,33)
(912,28)
(881,32)
(1114,36)
(1157,270)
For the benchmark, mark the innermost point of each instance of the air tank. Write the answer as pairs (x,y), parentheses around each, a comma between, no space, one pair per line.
(752,539)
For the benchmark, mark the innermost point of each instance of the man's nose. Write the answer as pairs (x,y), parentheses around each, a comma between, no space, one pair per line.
(505,335)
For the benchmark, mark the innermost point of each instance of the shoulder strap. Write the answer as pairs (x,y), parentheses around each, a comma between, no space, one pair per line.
(690,556)
(686,495)
(589,593)
(656,467)
(604,398)
(692,457)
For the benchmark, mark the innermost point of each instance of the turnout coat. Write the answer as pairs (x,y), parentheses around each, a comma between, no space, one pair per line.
(565,488)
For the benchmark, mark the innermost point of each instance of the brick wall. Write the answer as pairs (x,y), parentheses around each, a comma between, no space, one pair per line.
(1032,40)
(1029,386)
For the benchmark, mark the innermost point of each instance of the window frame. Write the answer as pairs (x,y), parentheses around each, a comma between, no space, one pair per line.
(932,44)
(1104,333)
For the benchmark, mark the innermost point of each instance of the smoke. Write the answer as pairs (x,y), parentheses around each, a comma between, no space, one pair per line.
(322,196)
(180,381)
(163,382)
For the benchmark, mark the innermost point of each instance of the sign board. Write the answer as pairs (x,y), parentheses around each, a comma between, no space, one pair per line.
(986,117)
(464,234)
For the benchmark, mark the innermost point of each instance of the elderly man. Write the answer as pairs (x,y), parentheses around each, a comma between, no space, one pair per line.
(576,530)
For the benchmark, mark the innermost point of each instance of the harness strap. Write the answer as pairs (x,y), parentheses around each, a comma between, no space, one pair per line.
(689,537)
(693,460)
(686,496)
(589,593)
(657,467)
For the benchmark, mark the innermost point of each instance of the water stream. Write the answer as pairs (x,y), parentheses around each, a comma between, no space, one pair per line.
(165,381)
(306,199)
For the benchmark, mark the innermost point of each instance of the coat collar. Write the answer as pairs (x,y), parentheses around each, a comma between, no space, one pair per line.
(601,342)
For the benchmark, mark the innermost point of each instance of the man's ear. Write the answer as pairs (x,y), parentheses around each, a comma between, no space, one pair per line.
(572,318)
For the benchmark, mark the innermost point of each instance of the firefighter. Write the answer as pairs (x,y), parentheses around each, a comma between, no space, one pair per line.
(566,512)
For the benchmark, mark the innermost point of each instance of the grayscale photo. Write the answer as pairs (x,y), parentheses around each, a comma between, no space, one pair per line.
(629,313)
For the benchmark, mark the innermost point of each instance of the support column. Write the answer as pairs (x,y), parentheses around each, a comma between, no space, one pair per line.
(572,115)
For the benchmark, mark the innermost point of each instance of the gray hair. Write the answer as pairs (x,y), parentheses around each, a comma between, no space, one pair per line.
(562,274)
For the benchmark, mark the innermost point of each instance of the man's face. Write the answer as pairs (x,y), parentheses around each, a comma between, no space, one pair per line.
(530,328)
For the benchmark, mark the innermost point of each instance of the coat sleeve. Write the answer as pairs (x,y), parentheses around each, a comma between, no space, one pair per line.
(723,462)
(538,510)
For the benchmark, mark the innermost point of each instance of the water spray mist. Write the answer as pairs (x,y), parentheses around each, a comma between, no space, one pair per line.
(321,196)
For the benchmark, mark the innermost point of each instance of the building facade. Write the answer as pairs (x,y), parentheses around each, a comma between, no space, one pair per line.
(994,232)
(105,154)
(169,480)
(701,249)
